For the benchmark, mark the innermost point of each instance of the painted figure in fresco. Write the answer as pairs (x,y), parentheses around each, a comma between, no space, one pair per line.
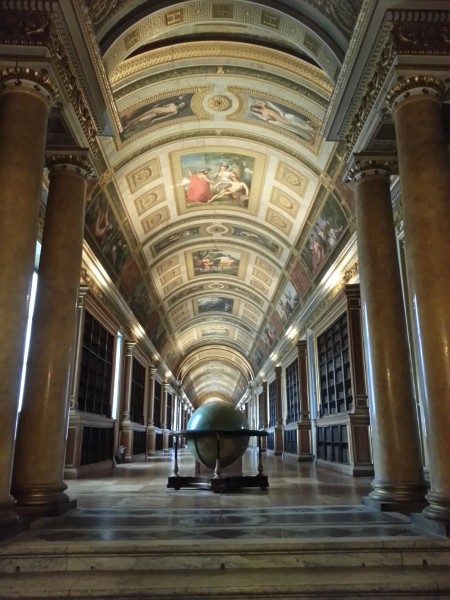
(199,188)
(271,113)
(227,182)
(156,113)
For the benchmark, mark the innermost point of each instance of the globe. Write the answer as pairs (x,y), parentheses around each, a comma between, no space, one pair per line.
(214,415)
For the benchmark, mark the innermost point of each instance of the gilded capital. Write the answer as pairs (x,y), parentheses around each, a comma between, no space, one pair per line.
(78,163)
(28,79)
(425,85)
(364,168)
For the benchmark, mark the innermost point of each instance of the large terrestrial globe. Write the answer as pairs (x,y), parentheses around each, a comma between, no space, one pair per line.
(213,415)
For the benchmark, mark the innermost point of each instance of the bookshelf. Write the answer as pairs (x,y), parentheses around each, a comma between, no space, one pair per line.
(343,426)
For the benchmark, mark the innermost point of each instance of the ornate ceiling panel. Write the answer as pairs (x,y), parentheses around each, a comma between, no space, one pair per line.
(217,213)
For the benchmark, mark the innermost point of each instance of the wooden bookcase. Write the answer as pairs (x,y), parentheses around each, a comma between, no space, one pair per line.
(342,426)
(336,395)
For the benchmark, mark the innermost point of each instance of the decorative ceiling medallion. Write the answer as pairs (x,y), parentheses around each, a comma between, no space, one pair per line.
(277,220)
(283,201)
(143,175)
(148,200)
(293,179)
(155,219)
(216,286)
(219,103)
(217,229)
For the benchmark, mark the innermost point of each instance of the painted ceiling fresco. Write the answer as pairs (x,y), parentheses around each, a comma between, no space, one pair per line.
(220,208)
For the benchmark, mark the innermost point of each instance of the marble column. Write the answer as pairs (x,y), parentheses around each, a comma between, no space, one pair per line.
(25,99)
(278,430)
(304,436)
(151,431)
(398,483)
(37,482)
(125,424)
(425,184)
(165,431)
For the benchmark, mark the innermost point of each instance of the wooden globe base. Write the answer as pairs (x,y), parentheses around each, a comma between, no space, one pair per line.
(219,481)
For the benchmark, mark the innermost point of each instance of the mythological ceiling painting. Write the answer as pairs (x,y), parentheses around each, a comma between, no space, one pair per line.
(220,209)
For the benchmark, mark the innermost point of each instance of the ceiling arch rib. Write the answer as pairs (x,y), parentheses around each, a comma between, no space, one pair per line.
(316,38)
(217,182)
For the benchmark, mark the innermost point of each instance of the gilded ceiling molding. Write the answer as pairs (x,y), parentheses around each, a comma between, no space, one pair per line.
(221,50)
(413,86)
(97,60)
(353,51)
(162,23)
(420,32)
(372,88)
(402,32)
(90,282)
(349,274)
(342,13)
(29,27)
(71,85)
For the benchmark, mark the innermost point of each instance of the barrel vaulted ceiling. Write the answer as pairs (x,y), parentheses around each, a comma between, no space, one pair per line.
(220,207)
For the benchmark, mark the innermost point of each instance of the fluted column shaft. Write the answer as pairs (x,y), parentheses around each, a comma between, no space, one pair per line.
(24,108)
(395,437)
(41,436)
(425,184)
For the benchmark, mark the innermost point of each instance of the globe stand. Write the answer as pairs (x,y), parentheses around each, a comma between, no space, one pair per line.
(218,482)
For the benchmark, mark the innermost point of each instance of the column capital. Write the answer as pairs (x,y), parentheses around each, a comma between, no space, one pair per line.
(24,78)
(76,161)
(129,348)
(420,85)
(363,167)
(152,370)
(301,346)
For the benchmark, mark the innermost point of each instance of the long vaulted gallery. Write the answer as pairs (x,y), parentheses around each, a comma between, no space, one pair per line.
(237,214)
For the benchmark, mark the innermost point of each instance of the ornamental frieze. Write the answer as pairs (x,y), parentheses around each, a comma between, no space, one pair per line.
(24,28)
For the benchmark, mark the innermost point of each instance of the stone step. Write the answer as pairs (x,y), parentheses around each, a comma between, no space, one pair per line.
(217,555)
(344,583)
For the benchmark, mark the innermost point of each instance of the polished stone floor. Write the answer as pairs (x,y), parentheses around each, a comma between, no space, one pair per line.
(302,502)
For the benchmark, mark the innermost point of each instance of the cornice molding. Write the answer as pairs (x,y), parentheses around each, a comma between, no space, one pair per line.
(400,33)
(221,50)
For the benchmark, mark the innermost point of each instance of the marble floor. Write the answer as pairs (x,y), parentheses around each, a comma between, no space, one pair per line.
(302,501)
(131,537)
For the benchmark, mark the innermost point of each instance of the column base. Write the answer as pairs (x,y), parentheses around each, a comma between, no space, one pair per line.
(401,494)
(438,508)
(430,525)
(46,510)
(403,506)
(305,458)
